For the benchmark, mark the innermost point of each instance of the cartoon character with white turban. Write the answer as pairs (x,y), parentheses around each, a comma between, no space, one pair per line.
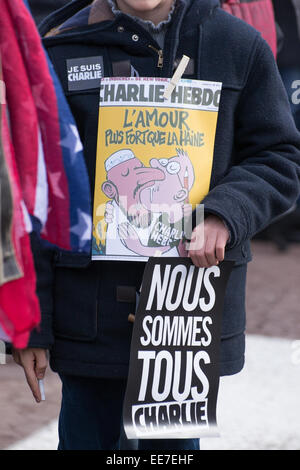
(127,177)
(145,215)
(168,199)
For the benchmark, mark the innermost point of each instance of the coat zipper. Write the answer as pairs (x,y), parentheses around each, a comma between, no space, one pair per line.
(160,53)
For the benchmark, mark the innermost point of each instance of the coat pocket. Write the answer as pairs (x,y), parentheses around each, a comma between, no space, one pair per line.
(75,298)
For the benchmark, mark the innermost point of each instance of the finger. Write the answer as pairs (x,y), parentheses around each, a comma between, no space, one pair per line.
(199,259)
(220,249)
(210,249)
(41,364)
(197,249)
(16,357)
(29,369)
(198,239)
(33,384)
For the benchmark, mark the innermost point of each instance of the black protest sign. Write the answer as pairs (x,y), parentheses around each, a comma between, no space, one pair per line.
(173,377)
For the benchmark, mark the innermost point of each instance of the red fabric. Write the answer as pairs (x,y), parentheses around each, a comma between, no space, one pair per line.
(38,170)
(19,97)
(32,105)
(259,14)
(19,305)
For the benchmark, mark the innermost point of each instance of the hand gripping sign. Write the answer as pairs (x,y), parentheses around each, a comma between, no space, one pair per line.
(174,363)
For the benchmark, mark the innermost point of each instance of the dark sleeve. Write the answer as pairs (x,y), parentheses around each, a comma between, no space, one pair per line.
(43,253)
(264,182)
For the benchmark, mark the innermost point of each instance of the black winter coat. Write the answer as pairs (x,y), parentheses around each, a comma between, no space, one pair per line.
(255,175)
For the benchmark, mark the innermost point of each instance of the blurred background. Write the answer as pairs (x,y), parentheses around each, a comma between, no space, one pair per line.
(259,408)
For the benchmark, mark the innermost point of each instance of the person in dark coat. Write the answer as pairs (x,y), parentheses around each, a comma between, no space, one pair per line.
(255,178)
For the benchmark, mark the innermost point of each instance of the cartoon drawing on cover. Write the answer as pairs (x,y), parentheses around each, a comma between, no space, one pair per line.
(126,178)
(154,224)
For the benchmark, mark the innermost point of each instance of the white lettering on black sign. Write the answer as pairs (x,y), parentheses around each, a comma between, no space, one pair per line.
(84,73)
(174,365)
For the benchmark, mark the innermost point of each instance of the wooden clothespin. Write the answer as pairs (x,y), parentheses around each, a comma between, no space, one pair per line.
(177,76)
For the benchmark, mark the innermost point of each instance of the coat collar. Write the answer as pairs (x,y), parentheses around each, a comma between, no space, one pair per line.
(86,12)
